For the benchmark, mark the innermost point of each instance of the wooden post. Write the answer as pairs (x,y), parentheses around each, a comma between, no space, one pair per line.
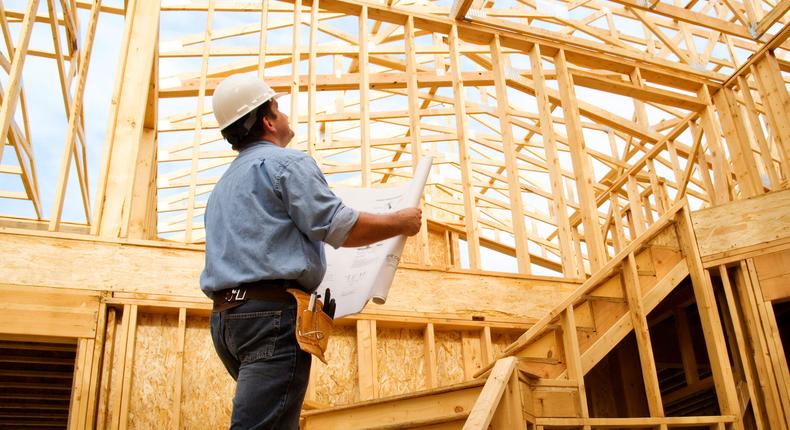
(312,135)
(573,363)
(96,367)
(364,99)
(366,360)
(178,375)
(431,378)
(197,135)
(639,320)
(106,370)
(514,184)
(296,57)
(415,129)
(553,163)
(581,165)
(127,163)
(470,210)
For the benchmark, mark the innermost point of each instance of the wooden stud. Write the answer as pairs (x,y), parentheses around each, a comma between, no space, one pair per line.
(106,370)
(196,136)
(364,99)
(584,177)
(686,346)
(415,129)
(635,205)
(367,361)
(312,137)
(741,347)
(178,375)
(572,356)
(262,39)
(639,322)
(96,367)
(296,55)
(123,152)
(514,186)
(128,365)
(552,160)
(429,339)
(470,211)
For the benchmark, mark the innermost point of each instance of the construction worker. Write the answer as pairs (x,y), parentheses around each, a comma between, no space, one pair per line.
(267,220)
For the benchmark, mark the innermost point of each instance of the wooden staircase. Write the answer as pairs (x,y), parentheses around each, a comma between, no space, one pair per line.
(539,379)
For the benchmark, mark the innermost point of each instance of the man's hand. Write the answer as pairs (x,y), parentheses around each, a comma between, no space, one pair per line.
(372,228)
(410,220)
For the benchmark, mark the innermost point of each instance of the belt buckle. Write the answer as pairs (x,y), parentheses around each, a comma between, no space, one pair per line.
(236,295)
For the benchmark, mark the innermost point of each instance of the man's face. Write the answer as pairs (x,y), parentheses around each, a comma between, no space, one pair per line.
(283,130)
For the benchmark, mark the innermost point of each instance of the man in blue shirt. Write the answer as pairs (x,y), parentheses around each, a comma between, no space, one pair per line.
(267,220)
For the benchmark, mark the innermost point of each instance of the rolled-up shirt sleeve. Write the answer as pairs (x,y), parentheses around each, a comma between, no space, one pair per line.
(317,212)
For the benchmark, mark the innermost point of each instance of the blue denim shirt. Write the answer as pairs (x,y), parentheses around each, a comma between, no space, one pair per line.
(268,218)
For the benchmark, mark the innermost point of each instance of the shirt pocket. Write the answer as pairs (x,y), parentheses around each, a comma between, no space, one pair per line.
(251,336)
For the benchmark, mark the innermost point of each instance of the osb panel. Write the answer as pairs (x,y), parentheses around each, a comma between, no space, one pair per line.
(336,383)
(500,342)
(745,223)
(207,388)
(438,254)
(401,368)
(151,402)
(449,358)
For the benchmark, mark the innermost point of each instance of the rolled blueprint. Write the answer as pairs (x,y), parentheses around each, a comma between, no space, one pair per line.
(356,275)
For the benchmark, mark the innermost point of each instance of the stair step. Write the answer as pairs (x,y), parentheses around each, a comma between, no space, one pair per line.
(420,409)
(460,416)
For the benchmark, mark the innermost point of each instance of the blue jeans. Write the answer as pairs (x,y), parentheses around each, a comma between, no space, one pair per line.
(257,344)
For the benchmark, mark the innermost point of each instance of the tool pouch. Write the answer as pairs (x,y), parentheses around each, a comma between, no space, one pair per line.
(312,327)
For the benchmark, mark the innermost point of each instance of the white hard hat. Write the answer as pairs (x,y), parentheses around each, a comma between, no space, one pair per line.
(238,95)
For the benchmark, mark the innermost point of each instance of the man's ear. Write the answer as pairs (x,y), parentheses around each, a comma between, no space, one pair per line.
(268,124)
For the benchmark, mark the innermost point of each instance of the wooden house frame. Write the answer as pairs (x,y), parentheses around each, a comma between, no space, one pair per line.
(606,238)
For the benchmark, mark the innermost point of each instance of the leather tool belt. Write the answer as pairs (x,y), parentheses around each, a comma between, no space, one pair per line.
(313,327)
(267,290)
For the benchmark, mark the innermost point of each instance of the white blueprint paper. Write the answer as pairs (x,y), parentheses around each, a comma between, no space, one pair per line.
(356,275)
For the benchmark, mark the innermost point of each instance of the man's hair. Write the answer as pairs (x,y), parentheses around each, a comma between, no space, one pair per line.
(248,129)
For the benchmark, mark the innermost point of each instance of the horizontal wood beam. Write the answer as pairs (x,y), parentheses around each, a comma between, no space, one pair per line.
(128,266)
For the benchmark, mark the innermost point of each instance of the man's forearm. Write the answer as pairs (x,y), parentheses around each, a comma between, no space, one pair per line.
(372,228)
